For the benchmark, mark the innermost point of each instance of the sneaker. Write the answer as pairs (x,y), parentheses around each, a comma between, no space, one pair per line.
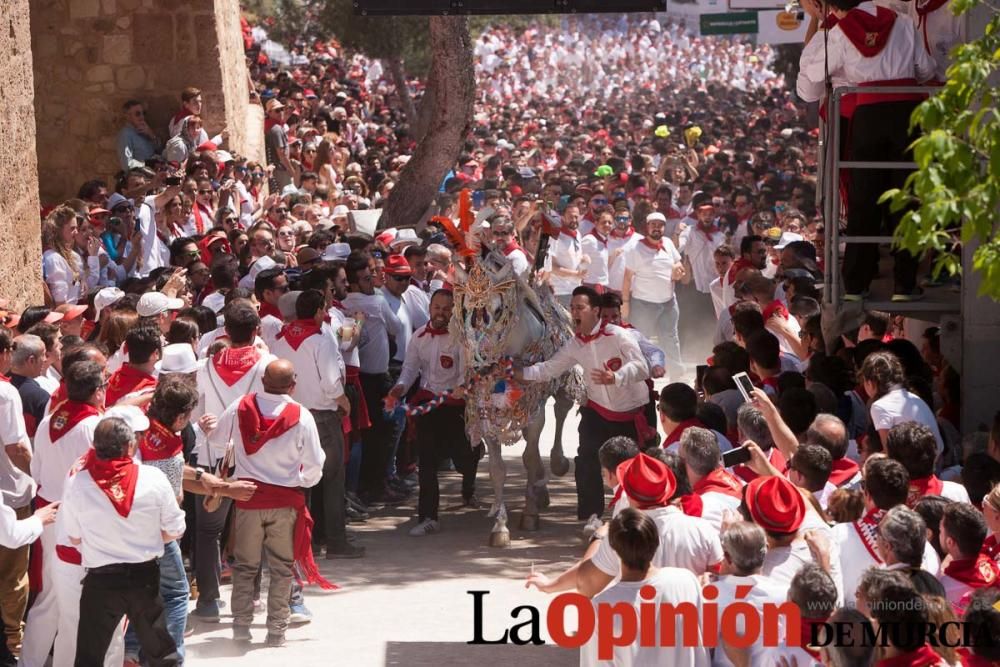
(241,633)
(592,526)
(397,485)
(353,499)
(346,551)
(471,502)
(207,612)
(274,641)
(425,527)
(355,515)
(300,615)
(906,297)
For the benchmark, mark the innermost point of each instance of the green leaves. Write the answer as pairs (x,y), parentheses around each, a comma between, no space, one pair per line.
(955,193)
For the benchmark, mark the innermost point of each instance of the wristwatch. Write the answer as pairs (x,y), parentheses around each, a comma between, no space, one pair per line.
(198,472)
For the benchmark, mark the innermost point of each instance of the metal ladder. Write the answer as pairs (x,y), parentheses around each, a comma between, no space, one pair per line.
(831,165)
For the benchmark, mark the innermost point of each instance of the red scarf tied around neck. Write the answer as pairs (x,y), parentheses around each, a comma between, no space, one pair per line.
(722,481)
(127,380)
(68,415)
(869,34)
(925,486)
(160,443)
(775,308)
(233,363)
(116,478)
(297,331)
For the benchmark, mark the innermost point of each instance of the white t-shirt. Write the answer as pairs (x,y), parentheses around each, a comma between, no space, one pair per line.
(673,586)
(762,591)
(16,486)
(565,251)
(899,406)
(652,270)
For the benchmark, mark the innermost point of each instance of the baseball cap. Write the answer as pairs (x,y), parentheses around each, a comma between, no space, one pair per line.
(154,303)
(70,311)
(133,416)
(340,211)
(106,297)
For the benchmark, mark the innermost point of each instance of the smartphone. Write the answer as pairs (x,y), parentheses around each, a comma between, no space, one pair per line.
(172,181)
(735,456)
(745,386)
(699,377)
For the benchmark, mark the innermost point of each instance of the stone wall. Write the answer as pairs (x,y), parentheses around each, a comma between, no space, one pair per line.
(20,243)
(90,56)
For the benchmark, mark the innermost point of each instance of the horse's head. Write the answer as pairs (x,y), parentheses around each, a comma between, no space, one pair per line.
(486,307)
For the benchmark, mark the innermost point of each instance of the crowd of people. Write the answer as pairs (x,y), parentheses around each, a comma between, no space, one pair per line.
(219,369)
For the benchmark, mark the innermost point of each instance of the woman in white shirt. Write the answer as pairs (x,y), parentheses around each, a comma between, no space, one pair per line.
(69,278)
(891,403)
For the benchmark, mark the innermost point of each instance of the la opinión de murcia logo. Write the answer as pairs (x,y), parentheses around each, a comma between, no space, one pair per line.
(738,624)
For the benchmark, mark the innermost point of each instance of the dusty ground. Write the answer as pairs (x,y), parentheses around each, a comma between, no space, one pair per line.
(406,602)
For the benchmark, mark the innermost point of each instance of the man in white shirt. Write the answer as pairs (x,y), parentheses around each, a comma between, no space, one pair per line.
(320,371)
(119,514)
(815,594)
(435,358)
(276,445)
(914,445)
(722,258)
(568,267)
(595,249)
(502,231)
(635,540)
(651,268)
(16,533)
(809,469)
(622,239)
(615,373)
(269,286)
(963,531)
(719,489)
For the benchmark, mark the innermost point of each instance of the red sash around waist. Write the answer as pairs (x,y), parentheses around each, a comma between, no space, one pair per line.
(636,416)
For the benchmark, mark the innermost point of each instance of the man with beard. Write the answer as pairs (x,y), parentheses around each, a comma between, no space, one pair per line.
(502,230)
(435,357)
(753,255)
(568,264)
(699,261)
(648,299)
(614,372)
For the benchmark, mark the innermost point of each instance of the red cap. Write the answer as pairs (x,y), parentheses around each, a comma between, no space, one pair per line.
(70,311)
(53,317)
(647,481)
(775,504)
(385,238)
(207,146)
(98,211)
(396,265)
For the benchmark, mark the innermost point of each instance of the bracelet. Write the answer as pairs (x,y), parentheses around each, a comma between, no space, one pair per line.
(198,472)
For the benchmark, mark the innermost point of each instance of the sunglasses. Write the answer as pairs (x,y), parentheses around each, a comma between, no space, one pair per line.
(599,202)
(205,192)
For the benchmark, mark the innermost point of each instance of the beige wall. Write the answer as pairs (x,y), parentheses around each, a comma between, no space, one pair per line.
(20,245)
(92,55)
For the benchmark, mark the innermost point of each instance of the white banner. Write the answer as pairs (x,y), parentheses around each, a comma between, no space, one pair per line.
(780,27)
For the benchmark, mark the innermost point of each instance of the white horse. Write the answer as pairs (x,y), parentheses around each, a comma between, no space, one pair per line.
(499,315)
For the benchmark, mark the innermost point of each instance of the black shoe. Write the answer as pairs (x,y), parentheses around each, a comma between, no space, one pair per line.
(355,516)
(345,551)
(352,500)
(241,633)
(472,502)
(274,641)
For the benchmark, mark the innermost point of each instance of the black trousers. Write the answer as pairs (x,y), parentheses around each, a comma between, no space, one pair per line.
(331,495)
(114,591)
(375,440)
(207,539)
(441,435)
(879,132)
(594,432)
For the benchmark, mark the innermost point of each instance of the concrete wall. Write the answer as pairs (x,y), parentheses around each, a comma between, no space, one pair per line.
(92,55)
(20,243)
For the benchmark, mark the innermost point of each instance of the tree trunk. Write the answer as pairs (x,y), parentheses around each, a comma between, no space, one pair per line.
(452,85)
(395,65)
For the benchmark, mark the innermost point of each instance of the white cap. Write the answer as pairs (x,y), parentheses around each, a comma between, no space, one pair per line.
(154,303)
(406,236)
(788,237)
(340,211)
(104,298)
(178,358)
(262,264)
(336,251)
(656,215)
(224,156)
(133,416)
(289,190)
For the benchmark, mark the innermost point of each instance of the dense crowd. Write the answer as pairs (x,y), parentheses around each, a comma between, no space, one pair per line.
(226,346)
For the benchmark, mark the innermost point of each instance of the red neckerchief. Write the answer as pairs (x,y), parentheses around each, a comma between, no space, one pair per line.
(708,233)
(736,267)
(843,471)
(626,235)
(179,116)
(511,247)
(721,481)
(991,548)
(775,308)
(978,572)
(256,429)
(431,331)
(68,415)
(177,233)
(4,378)
(269,309)
(127,380)
(869,34)
(160,443)
(675,435)
(587,338)
(115,478)
(232,363)
(297,331)
(572,233)
(58,397)
(922,12)
(657,247)
(925,486)
(692,505)
(597,236)
(771,382)
(199,222)
(805,634)
(337,304)
(867,529)
(922,657)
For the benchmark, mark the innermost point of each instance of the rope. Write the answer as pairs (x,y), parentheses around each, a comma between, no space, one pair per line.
(506,370)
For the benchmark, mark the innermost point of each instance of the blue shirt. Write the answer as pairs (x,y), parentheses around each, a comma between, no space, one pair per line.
(134,148)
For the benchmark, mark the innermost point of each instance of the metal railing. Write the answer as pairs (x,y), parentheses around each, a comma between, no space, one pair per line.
(830,181)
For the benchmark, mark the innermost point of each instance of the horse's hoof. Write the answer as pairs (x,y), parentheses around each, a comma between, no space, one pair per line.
(559,465)
(542,497)
(529,522)
(500,539)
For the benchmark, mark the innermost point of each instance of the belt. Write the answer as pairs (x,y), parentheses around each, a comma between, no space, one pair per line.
(123,568)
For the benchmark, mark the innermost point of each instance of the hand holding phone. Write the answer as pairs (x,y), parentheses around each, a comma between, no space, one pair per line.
(745,386)
(736,456)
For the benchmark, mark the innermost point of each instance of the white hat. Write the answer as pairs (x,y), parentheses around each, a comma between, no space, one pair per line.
(224,156)
(336,251)
(788,237)
(286,304)
(289,190)
(154,303)
(133,416)
(405,237)
(106,297)
(340,211)
(178,358)
(656,215)
(262,264)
